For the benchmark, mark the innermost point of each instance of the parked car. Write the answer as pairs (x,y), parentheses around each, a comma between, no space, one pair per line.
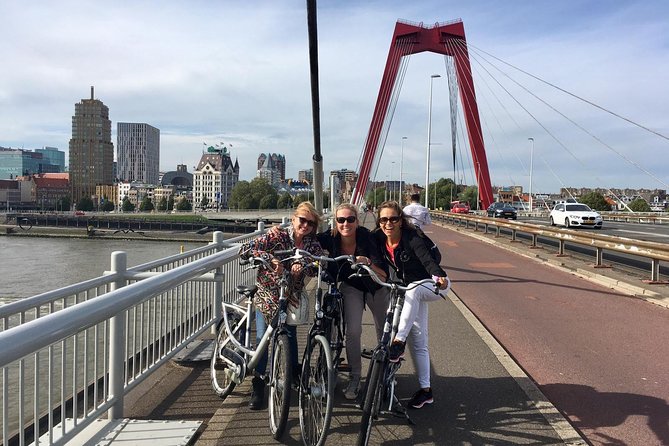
(502,210)
(460,208)
(575,214)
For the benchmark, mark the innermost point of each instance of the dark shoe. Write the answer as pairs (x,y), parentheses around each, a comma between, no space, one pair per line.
(421,398)
(258,393)
(396,351)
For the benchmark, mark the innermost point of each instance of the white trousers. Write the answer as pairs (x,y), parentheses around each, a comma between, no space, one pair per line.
(413,322)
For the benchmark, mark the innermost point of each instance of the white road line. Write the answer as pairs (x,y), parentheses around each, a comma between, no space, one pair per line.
(652,234)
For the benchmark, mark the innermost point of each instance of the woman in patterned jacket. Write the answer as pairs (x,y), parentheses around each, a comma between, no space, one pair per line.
(301,234)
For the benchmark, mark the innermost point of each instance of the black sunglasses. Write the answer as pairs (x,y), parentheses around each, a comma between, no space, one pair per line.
(393,220)
(307,221)
(349,219)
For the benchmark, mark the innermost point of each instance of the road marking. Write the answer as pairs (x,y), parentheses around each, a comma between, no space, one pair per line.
(491,265)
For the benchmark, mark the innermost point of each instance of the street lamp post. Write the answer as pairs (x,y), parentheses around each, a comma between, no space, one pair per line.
(429,142)
(401,171)
(531,163)
(392,166)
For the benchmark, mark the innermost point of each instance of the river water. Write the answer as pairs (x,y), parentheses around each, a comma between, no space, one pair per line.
(33,265)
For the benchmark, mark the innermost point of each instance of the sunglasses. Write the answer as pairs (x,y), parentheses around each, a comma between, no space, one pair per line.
(394,220)
(349,219)
(307,222)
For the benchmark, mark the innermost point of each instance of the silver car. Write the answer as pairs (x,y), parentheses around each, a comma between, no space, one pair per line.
(575,214)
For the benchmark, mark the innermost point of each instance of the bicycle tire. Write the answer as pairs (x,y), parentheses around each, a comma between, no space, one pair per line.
(372,401)
(221,380)
(316,397)
(281,376)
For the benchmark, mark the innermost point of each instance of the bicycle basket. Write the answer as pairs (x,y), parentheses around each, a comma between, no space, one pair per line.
(299,315)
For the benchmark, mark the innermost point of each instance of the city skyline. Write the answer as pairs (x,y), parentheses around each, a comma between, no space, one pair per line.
(208,78)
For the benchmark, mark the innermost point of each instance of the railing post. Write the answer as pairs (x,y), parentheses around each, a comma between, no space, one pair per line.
(655,270)
(218,282)
(261,226)
(119,265)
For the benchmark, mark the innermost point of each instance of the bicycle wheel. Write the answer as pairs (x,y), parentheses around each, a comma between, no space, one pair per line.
(316,392)
(281,375)
(222,373)
(372,402)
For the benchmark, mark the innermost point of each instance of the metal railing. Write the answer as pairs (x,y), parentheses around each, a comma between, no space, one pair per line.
(70,355)
(655,252)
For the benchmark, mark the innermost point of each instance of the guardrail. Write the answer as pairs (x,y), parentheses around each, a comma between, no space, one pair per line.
(655,252)
(70,355)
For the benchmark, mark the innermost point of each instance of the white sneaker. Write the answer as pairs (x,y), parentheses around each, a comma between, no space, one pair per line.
(353,387)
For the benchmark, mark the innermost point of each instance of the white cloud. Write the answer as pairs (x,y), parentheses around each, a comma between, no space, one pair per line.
(238,72)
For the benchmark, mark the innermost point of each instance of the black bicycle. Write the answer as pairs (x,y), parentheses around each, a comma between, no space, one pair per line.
(379,392)
(322,354)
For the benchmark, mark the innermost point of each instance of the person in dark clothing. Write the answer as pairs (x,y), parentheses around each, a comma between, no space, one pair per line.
(407,254)
(348,238)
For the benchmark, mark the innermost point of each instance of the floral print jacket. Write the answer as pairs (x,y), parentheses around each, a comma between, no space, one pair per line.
(267,297)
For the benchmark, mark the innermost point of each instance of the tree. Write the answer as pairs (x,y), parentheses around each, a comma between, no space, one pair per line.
(285,201)
(596,201)
(375,197)
(184,205)
(126,205)
(639,205)
(204,202)
(64,204)
(268,202)
(146,205)
(162,204)
(107,206)
(170,203)
(85,204)
(471,196)
(254,195)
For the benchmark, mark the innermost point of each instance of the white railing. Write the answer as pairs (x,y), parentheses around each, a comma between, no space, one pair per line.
(70,355)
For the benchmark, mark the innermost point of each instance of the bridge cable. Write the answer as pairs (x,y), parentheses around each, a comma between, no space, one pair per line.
(576,96)
(586,131)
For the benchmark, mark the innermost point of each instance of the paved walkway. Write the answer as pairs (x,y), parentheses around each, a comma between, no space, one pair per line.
(481,396)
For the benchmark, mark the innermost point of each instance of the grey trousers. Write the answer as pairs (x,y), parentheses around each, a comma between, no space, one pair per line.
(354,305)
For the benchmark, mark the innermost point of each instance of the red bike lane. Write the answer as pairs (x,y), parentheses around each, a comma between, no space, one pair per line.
(602,358)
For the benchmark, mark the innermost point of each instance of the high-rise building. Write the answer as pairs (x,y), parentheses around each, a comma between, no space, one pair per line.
(91,149)
(272,167)
(54,157)
(18,162)
(274,162)
(137,152)
(214,178)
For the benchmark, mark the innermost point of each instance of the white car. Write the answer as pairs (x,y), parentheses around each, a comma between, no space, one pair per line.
(575,214)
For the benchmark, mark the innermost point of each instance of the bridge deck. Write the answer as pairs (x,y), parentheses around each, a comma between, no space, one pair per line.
(481,396)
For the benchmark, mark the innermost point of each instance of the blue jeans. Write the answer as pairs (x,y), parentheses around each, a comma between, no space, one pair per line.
(261,328)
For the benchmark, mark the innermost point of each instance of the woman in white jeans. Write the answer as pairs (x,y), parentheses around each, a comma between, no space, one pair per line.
(408,255)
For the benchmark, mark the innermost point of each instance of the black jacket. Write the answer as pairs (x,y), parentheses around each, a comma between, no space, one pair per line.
(365,245)
(412,260)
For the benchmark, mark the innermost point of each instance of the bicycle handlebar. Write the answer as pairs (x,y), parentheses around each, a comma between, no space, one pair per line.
(372,274)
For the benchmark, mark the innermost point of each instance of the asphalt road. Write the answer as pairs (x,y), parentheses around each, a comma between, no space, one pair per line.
(599,356)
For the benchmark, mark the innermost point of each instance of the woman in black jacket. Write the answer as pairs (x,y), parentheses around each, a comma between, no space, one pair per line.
(348,238)
(408,255)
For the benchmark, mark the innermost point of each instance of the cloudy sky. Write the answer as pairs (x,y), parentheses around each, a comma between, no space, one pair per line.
(237,72)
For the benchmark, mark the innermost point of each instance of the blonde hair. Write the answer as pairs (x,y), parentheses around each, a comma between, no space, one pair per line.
(348,206)
(306,206)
